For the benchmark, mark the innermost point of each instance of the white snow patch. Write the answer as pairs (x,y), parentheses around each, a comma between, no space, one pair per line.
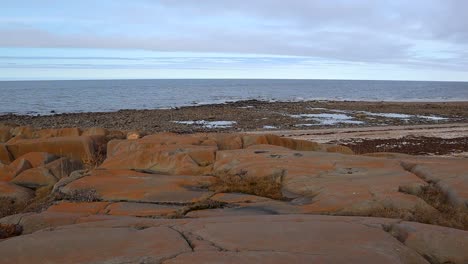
(389,115)
(405,117)
(246,107)
(433,118)
(327,119)
(306,125)
(269,127)
(208,124)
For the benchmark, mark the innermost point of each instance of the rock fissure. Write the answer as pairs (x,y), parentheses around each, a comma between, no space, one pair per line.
(183,236)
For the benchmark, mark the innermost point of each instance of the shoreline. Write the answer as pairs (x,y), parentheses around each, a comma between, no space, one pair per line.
(228,102)
(254,115)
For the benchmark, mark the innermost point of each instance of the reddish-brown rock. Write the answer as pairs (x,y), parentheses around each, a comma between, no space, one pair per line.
(134,135)
(167,159)
(37,221)
(234,239)
(316,239)
(116,147)
(449,174)
(127,185)
(22,131)
(141,209)
(38,159)
(227,141)
(326,182)
(294,144)
(81,208)
(438,244)
(95,245)
(5,156)
(95,131)
(35,178)
(63,167)
(8,172)
(5,134)
(15,193)
(80,148)
(57,132)
(338,149)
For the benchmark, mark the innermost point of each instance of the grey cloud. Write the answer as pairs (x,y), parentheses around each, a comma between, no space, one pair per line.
(326,44)
(366,31)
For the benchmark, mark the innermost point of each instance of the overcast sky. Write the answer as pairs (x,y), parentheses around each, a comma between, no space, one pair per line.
(307,39)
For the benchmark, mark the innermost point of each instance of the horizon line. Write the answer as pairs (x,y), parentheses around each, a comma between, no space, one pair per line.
(286,79)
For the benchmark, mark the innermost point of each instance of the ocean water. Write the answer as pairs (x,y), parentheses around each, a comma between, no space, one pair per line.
(46,97)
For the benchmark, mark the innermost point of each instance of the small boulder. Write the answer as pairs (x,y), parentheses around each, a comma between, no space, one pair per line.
(22,131)
(95,131)
(57,132)
(75,175)
(38,159)
(9,172)
(35,178)
(165,159)
(15,194)
(5,134)
(81,148)
(134,135)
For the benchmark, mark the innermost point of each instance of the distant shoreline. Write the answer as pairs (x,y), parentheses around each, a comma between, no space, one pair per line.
(228,103)
(300,79)
(252,115)
(49,97)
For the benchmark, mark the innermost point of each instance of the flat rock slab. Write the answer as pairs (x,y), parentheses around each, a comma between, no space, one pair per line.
(78,207)
(74,147)
(240,239)
(131,186)
(245,204)
(165,159)
(95,245)
(438,244)
(326,182)
(141,209)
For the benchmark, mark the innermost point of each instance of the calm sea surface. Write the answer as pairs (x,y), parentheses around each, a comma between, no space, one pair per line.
(42,97)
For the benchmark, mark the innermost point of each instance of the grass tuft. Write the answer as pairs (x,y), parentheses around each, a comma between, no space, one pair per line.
(260,186)
(97,159)
(10,207)
(202,205)
(82,195)
(445,214)
(10,230)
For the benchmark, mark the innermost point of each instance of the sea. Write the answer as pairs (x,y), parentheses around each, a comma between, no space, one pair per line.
(53,97)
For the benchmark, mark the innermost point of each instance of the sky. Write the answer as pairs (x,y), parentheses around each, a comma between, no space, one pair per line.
(294,39)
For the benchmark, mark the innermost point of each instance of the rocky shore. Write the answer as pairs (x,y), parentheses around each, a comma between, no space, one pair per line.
(99,195)
(257,115)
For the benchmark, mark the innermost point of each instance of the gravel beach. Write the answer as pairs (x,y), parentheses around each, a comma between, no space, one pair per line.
(256,115)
